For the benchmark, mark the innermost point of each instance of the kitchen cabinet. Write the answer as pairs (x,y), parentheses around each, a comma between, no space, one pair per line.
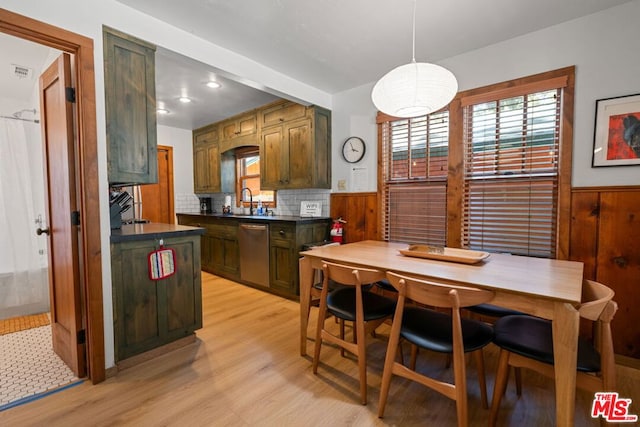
(281,111)
(150,313)
(213,170)
(244,125)
(130,107)
(296,154)
(285,242)
(206,160)
(287,236)
(224,250)
(220,253)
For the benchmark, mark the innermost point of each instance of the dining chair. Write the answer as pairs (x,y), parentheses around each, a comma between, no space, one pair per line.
(490,313)
(527,342)
(437,331)
(367,311)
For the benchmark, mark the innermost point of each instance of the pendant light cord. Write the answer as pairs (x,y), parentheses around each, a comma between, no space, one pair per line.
(413,57)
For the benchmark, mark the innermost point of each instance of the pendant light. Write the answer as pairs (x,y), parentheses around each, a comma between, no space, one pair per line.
(414,89)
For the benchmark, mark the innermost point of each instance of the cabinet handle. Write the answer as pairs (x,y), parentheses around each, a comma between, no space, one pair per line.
(281,232)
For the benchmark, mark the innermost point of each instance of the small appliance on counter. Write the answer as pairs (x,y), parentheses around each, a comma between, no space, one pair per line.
(206,206)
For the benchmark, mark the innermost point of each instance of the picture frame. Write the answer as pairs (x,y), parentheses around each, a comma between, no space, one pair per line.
(616,139)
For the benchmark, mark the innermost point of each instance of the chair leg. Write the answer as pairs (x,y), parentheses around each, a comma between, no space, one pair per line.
(500,385)
(414,357)
(322,312)
(342,336)
(360,339)
(387,372)
(482,382)
(518,375)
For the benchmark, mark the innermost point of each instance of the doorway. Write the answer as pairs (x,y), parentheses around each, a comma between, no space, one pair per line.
(156,200)
(86,178)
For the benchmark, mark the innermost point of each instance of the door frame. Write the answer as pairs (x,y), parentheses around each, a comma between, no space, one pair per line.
(87,184)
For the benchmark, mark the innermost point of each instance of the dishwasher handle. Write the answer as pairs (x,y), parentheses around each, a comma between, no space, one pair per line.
(257,227)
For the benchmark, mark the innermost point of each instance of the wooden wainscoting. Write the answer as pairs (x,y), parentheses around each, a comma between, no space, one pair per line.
(360,210)
(605,235)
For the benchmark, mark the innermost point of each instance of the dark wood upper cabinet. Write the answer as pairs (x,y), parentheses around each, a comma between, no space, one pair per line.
(130,104)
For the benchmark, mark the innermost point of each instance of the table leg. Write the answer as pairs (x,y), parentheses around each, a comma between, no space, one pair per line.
(566,321)
(306,281)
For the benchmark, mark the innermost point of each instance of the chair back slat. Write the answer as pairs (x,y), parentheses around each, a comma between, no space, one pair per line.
(344,274)
(438,294)
(595,297)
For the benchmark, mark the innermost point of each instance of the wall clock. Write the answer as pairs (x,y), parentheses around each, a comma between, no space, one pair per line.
(353,149)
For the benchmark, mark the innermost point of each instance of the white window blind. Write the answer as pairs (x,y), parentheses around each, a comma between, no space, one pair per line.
(511,149)
(415,166)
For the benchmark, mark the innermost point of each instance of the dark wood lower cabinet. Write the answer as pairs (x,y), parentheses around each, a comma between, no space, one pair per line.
(221,251)
(150,313)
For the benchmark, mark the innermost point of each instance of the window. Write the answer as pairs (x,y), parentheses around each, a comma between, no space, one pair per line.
(415,168)
(248,167)
(492,173)
(511,149)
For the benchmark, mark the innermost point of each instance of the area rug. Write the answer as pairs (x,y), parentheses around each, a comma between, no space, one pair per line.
(20,323)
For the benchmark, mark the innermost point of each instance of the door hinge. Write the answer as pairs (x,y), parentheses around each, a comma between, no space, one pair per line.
(75,218)
(70,94)
(82,337)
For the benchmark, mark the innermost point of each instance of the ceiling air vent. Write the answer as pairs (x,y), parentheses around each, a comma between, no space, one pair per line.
(21,72)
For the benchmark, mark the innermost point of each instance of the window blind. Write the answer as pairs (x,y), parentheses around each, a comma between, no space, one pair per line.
(415,165)
(511,149)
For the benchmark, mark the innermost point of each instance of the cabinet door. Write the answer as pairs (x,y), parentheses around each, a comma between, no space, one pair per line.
(241,126)
(299,156)
(273,174)
(130,103)
(149,313)
(283,269)
(206,169)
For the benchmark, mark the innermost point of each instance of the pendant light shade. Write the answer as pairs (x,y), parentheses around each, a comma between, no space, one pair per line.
(414,89)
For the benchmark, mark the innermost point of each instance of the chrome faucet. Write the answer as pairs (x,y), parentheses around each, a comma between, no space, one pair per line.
(250,199)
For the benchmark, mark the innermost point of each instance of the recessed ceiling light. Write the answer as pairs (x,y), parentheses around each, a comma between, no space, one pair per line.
(184,99)
(213,84)
(162,111)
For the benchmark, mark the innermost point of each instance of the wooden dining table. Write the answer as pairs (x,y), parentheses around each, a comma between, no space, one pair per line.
(546,288)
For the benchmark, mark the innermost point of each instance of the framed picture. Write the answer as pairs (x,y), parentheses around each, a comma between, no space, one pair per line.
(616,140)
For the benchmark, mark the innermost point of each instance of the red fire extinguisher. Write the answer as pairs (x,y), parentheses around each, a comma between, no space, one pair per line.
(336,230)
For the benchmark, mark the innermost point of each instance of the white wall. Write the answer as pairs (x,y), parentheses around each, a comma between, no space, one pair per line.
(601,46)
(180,140)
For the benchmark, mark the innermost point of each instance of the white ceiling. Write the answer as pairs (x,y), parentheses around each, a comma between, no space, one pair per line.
(332,45)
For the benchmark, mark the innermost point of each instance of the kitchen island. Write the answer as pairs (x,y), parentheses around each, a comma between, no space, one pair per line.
(287,235)
(149,314)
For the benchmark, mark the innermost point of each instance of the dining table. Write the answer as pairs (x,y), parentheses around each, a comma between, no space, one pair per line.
(547,288)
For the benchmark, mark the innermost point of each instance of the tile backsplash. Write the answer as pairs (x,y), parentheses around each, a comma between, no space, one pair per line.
(288,201)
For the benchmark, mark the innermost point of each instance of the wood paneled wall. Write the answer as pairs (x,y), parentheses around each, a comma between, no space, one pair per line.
(605,235)
(360,210)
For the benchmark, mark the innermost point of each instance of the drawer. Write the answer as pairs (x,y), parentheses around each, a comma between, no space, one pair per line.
(281,113)
(207,137)
(282,232)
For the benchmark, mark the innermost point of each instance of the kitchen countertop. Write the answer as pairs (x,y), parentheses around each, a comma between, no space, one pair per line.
(152,230)
(260,218)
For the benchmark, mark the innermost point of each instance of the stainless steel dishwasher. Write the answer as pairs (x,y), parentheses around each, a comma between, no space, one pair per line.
(254,253)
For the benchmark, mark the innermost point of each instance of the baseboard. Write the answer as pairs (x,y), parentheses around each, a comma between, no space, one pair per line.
(158,351)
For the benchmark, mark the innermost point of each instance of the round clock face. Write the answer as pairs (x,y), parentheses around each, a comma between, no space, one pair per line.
(353,149)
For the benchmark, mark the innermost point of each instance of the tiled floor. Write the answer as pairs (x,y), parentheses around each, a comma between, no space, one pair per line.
(29,366)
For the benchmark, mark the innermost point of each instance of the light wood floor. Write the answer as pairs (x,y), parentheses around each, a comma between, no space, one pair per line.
(245,370)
